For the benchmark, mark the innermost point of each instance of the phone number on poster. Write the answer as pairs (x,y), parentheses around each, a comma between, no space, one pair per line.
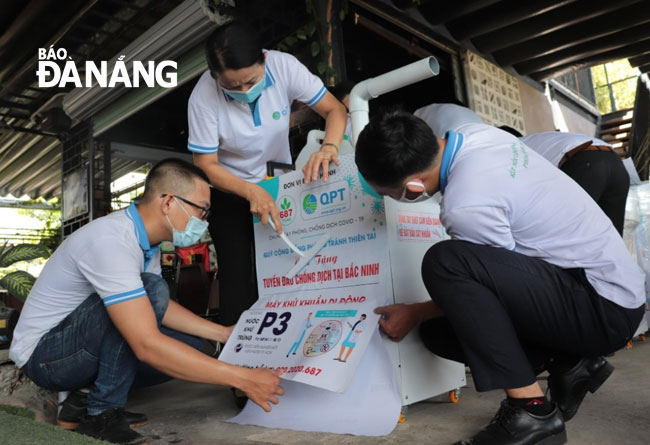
(307,370)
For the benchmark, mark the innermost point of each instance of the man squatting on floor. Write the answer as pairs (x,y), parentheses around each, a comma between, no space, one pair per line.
(99,315)
(535,276)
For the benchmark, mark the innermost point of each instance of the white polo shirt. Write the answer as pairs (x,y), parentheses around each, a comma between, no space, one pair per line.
(498,192)
(554,144)
(444,117)
(247,136)
(105,257)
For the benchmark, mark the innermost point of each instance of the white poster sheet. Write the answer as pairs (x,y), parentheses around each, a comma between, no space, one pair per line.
(370,407)
(316,326)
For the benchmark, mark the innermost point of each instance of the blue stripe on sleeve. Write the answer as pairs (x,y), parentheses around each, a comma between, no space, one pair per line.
(124,296)
(123,299)
(201,149)
(314,100)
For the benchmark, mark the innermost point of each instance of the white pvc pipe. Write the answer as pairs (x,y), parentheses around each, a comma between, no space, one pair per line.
(390,81)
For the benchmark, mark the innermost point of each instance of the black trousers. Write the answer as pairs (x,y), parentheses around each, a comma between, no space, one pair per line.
(231,229)
(603,176)
(507,314)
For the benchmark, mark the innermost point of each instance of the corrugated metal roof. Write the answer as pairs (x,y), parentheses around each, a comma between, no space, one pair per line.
(31,122)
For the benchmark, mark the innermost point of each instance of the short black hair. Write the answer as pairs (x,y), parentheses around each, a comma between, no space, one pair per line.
(171,175)
(233,46)
(342,89)
(393,146)
(511,130)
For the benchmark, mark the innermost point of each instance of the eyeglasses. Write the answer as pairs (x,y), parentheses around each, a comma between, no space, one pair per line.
(205,210)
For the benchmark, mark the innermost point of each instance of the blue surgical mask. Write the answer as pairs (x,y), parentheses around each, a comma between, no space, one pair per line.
(249,96)
(194,230)
(423,197)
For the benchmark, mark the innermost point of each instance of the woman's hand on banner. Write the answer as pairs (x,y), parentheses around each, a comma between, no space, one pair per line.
(263,205)
(320,160)
(262,386)
(397,320)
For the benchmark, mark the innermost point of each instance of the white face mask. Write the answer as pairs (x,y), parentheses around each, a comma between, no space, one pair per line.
(423,197)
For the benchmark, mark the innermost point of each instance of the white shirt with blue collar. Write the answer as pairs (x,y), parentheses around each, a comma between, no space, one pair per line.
(444,117)
(498,192)
(247,136)
(105,257)
(553,145)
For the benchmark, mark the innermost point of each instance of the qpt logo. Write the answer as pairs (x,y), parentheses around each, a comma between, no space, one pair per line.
(287,208)
(309,204)
(278,114)
(324,200)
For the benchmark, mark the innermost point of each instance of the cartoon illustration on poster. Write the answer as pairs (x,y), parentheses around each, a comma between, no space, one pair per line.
(351,340)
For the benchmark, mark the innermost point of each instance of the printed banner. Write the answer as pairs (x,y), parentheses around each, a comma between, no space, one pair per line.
(311,340)
(419,226)
(317,325)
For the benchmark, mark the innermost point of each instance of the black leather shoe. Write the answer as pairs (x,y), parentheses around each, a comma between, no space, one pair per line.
(515,426)
(110,426)
(73,409)
(569,388)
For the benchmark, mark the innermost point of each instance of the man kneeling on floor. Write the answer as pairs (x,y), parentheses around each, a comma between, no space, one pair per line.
(535,276)
(99,315)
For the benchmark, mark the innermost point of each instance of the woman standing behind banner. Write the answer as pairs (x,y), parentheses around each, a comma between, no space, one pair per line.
(238,119)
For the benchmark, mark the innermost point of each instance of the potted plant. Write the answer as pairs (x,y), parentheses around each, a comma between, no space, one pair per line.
(18,282)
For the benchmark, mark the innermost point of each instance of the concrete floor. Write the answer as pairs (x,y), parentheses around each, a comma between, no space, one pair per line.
(619,413)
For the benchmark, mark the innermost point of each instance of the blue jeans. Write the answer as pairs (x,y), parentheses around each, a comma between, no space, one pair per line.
(86,349)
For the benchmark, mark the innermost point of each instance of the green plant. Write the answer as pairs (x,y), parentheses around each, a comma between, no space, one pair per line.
(50,233)
(19,282)
(314,33)
(18,411)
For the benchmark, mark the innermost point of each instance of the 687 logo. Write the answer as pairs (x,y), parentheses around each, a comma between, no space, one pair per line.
(287,207)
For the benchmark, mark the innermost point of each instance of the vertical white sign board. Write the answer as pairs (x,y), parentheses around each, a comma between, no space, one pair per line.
(412,230)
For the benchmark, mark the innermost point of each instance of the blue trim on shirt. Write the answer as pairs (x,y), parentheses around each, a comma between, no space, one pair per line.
(141,235)
(270,79)
(124,296)
(201,149)
(255,110)
(314,100)
(454,142)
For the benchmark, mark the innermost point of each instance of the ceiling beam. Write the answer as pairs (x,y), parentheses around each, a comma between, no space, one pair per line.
(640,60)
(499,15)
(585,50)
(640,47)
(644,68)
(581,33)
(542,24)
(437,12)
